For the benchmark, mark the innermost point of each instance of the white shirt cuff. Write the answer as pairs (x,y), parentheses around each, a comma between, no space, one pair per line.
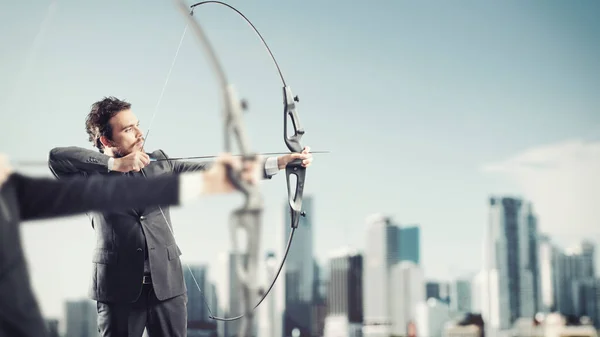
(271,167)
(111,163)
(190,186)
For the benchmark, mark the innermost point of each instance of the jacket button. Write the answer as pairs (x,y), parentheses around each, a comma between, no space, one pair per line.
(142,218)
(139,249)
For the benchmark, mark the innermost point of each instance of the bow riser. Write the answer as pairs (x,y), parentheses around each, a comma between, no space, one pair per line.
(294,168)
(289,106)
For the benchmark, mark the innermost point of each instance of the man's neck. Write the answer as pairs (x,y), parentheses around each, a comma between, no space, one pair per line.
(110,153)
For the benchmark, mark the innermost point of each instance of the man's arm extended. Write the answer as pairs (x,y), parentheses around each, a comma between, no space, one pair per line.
(41,198)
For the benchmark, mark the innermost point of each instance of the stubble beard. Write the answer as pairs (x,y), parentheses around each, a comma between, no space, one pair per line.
(120,152)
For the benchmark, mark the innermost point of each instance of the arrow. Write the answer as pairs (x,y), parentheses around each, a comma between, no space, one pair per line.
(235,155)
(40,163)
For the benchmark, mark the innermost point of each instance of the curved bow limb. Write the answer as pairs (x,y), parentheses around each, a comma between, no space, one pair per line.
(293,168)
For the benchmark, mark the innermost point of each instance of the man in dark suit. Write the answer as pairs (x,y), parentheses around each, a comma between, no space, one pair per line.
(23,198)
(138,278)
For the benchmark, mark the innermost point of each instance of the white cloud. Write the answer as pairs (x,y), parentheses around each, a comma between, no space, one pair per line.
(563,182)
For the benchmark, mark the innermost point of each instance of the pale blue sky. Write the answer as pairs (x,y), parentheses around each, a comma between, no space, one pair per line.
(412,98)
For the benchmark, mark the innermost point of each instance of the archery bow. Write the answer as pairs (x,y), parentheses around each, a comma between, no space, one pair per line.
(292,142)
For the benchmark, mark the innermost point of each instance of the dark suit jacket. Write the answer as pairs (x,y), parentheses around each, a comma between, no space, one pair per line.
(126,237)
(23,198)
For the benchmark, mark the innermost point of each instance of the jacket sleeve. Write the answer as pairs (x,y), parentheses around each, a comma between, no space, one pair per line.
(72,160)
(187,166)
(41,198)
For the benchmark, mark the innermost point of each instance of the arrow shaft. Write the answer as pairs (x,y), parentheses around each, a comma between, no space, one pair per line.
(235,155)
(40,163)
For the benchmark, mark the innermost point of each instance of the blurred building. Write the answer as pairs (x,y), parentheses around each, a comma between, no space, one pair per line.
(52,327)
(345,295)
(574,274)
(393,279)
(81,318)
(381,253)
(460,296)
(513,258)
(200,293)
(586,299)
(549,257)
(319,303)
(409,240)
(437,290)
(407,290)
(431,317)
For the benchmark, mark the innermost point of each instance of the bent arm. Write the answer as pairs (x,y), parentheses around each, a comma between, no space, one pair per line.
(73,160)
(41,198)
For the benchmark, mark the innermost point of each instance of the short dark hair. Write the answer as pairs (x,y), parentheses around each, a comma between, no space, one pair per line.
(96,123)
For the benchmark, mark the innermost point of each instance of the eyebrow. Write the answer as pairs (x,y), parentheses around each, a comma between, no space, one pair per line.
(130,125)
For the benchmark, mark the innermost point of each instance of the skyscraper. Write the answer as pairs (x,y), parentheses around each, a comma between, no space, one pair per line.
(410,244)
(431,316)
(528,261)
(380,255)
(344,295)
(319,302)
(460,295)
(406,290)
(533,261)
(575,269)
(513,239)
(549,262)
(588,259)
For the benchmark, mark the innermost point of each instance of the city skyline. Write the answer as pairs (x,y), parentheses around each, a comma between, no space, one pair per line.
(445,293)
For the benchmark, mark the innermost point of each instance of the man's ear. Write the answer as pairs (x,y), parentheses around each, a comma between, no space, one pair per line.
(105,142)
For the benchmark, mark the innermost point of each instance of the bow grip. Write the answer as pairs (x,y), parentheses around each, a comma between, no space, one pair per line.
(295,196)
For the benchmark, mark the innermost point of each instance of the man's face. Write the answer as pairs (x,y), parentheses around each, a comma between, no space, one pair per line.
(126,135)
